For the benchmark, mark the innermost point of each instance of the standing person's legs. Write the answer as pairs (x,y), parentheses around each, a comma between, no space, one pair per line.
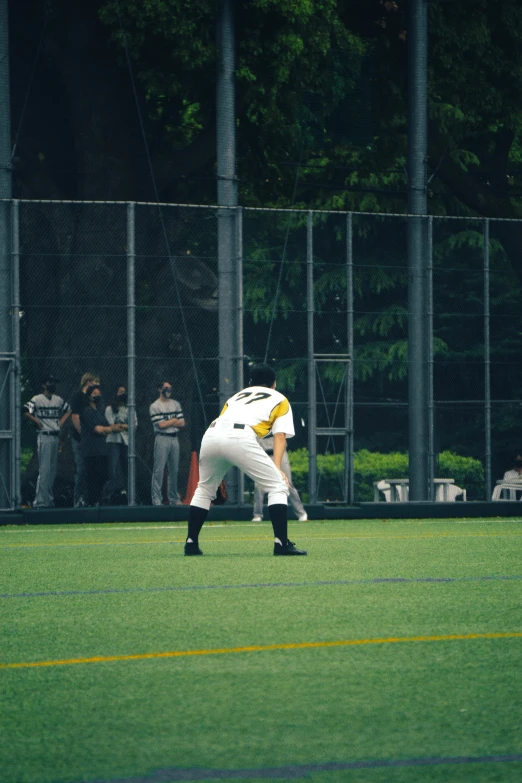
(172,468)
(53,467)
(212,468)
(110,484)
(102,471)
(255,462)
(80,488)
(293,496)
(259,497)
(222,448)
(124,465)
(161,445)
(47,462)
(97,471)
(90,476)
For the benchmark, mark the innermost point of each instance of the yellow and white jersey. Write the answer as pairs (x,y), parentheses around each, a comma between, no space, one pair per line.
(265,410)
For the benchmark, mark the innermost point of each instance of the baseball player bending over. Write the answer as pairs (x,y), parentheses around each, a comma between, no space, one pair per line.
(232,439)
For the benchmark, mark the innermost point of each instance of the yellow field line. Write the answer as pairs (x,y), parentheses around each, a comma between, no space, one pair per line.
(260,648)
(268,537)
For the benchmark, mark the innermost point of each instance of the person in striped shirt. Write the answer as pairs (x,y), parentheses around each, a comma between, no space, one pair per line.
(167,419)
(48,412)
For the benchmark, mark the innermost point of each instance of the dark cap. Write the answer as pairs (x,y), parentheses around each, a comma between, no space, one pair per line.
(517,461)
(262,375)
(49,379)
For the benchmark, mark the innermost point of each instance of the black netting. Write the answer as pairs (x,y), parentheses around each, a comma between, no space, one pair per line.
(75,259)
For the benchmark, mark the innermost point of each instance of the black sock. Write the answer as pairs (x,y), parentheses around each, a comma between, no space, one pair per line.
(196,521)
(278,516)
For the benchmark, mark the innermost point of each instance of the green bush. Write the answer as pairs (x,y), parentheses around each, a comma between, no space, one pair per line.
(26,457)
(370,466)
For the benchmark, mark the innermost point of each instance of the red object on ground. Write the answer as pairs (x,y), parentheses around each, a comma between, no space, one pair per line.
(192,479)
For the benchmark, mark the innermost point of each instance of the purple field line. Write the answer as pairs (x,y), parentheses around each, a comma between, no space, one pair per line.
(185,588)
(303,770)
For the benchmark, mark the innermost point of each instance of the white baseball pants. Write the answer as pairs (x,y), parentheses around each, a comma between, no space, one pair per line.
(293,497)
(225,445)
(47,465)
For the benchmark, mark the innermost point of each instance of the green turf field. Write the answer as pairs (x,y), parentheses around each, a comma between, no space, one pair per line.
(427,676)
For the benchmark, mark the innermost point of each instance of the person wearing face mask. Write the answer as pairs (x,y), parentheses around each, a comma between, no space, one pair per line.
(94,429)
(118,442)
(78,402)
(48,412)
(167,420)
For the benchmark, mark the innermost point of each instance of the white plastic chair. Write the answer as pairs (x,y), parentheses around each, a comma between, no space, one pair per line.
(381,486)
(452,493)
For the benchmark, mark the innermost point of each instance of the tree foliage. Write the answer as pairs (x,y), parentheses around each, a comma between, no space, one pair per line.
(321,123)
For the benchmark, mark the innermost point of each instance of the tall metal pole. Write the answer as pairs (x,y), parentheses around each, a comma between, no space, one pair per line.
(429,337)
(240,379)
(348,448)
(228,277)
(6,279)
(417,247)
(487,360)
(312,393)
(131,351)
(17,402)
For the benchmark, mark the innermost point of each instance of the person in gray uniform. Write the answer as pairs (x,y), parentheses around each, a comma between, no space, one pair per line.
(293,496)
(48,412)
(167,420)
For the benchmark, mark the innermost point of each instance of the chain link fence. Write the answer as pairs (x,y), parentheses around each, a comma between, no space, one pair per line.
(129,293)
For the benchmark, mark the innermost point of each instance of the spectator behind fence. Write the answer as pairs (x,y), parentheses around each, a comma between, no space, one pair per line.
(118,442)
(48,412)
(78,402)
(167,419)
(94,429)
(295,501)
(516,469)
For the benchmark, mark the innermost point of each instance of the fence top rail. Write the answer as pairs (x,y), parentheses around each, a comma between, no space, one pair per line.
(264,209)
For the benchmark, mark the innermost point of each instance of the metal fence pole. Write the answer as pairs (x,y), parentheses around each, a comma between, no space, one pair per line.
(349,439)
(240,363)
(312,395)
(17,405)
(131,350)
(227,197)
(417,205)
(6,329)
(487,360)
(431,367)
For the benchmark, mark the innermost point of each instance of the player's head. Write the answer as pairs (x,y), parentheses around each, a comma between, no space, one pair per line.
(94,394)
(517,463)
(49,383)
(165,389)
(87,379)
(262,375)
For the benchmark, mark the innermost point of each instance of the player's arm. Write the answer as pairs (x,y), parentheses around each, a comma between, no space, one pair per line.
(64,418)
(32,418)
(28,409)
(171,423)
(75,417)
(101,429)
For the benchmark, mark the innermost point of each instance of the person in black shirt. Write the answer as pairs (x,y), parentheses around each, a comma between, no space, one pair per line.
(78,402)
(94,429)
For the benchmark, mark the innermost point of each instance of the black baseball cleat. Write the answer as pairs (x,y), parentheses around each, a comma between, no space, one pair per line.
(192,549)
(288,549)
